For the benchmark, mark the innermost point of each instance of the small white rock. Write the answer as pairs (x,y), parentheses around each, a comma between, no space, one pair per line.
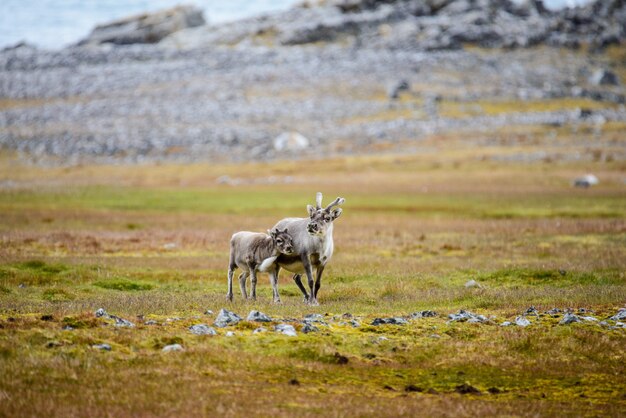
(172,347)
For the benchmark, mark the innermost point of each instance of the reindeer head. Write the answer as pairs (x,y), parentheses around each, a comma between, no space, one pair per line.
(283,240)
(320,219)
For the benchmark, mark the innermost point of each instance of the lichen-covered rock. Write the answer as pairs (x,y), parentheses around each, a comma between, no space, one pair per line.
(309,328)
(521,321)
(145,28)
(202,329)
(226,318)
(286,329)
(467,316)
(390,321)
(258,317)
(620,315)
(569,318)
(172,347)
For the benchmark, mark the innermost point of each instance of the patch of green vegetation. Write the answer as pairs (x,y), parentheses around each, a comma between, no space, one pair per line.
(57,295)
(123,285)
(515,276)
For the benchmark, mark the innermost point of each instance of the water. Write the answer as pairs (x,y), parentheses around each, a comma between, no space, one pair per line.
(56,23)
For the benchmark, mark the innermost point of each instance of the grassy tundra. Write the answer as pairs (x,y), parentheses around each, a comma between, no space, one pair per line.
(151,243)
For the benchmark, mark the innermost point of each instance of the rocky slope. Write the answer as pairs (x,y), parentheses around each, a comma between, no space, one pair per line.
(231,91)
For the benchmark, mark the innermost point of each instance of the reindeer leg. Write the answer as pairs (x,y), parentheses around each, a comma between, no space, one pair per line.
(253,284)
(274,281)
(242,284)
(298,279)
(229,294)
(318,279)
(309,274)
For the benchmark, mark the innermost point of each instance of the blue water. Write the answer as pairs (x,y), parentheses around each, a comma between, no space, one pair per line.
(56,23)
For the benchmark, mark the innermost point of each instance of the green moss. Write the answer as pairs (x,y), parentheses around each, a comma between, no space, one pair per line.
(57,295)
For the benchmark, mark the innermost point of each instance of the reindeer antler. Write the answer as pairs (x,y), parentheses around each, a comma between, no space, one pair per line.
(318,200)
(336,202)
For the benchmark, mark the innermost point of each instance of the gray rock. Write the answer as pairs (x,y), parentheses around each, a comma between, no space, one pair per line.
(389,321)
(354,323)
(208,312)
(506,324)
(121,322)
(172,347)
(101,313)
(230,334)
(463,316)
(286,329)
(602,77)
(532,311)
(151,322)
(589,318)
(259,330)
(314,317)
(145,28)
(202,329)
(586,181)
(620,315)
(569,318)
(393,92)
(423,314)
(472,283)
(103,347)
(553,311)
(309,328)
(290,142)
(258,317)
(226,318)
(521,321)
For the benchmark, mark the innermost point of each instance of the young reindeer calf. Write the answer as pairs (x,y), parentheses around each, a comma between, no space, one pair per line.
(256,252)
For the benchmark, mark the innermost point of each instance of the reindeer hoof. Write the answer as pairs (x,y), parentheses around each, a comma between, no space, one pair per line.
(229,298)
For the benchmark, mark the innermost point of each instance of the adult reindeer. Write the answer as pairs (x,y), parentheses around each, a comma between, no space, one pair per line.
(312,245)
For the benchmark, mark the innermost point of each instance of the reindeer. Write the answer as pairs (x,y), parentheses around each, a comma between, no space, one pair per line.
(312,245)
(257,252)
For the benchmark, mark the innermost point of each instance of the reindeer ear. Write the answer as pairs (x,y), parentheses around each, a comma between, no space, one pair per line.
(336,213)
(311,210)
(285,231)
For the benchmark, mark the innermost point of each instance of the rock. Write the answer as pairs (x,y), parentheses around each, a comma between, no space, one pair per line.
(389,321)
(290,142)
(382,338)
(314,318)
(147,28)
(413,388)
(151,322)
(531,311)
(172,347)
(554,312)
(103,347)
(588,318)
(121,322)
(354,323)
(208,312)
(258,317)
(259,330)
(393,92)
(472,283)
(436,336)
(602,77)
(569,318)
(46,317)
(309,328)
(618,325)
(620,315)
(101,313)
(286,329)
(230,334)
(586,181)
(202,329)
(521,321)
(423,314)
(506,324)
(347,315)
(21,286)
(226,318)
(466,389)
(169,246)
(463,316)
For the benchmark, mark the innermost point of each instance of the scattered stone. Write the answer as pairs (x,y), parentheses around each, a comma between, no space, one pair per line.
(389,321)
(202,329)
(413,388)
(554,312)
(169,246)
(569,318)
(602,77)
(68,328)
(423,314)
(620,315)
(103,347)
(101,313)
(172,347)
(286,329)
(174,319)
(588,318)
(294,382)
(387,387)
(230,334)
(347,315)
(382,338)
(21,286)
(395,89)
(151,322)
(259,330)
(618,325)
(466,389)
(436,336)
(309,328)
(146,28)
(208,312)
(472,283)
(226,318)
(290,141)
(258,317)
(586,181)
(354,323)
(521,321)
(314,318)
(506,324)
(463,316)
(121,322)
(531,311)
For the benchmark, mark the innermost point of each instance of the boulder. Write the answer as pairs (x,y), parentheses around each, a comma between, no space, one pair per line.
(569,318)
(604,77)
(286,329)
(146,28)
(389,321)
(291,141)
(620,315)
(521,321)
(463,316)
(258,317)
(172,347)
(226,318)
(202,329)
(309,328)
